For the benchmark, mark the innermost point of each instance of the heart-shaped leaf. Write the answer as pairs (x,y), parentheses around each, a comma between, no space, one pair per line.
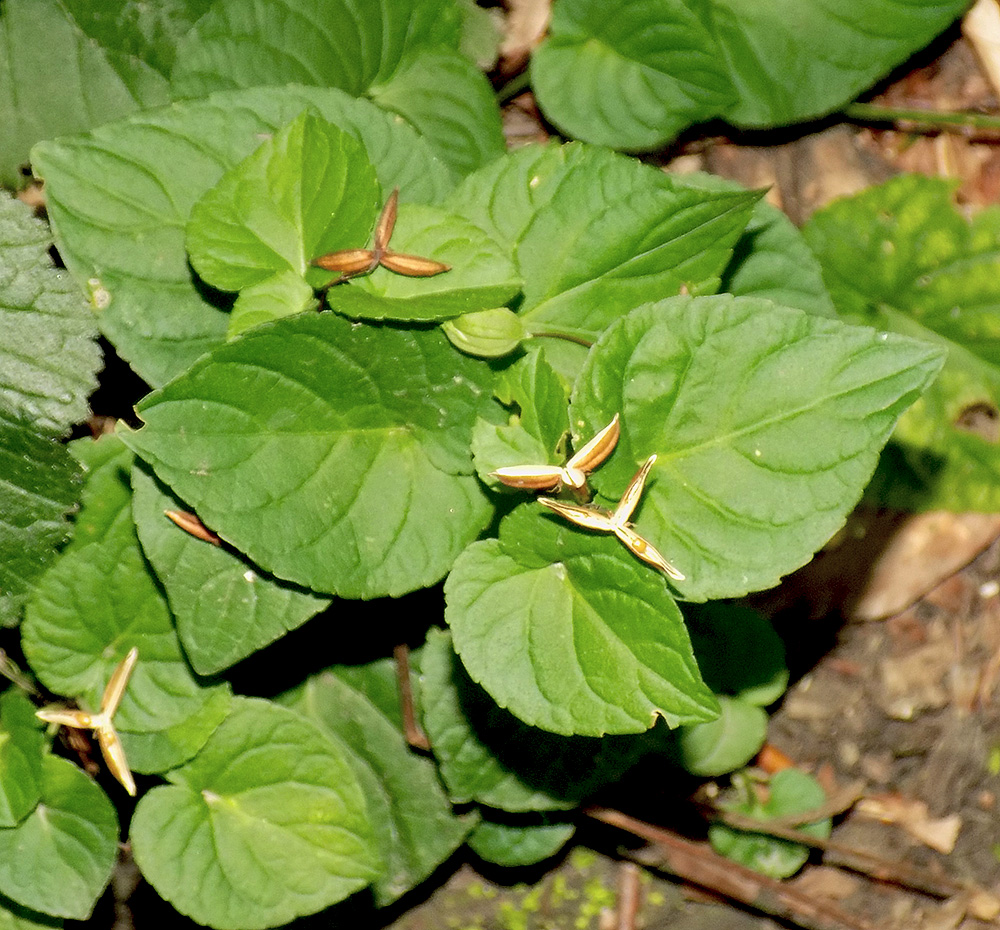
(413,821)
(609,651)
(336,455)
(729,742)
(125,235)
(307,190)
(767,424)
(59,858)
(267,823)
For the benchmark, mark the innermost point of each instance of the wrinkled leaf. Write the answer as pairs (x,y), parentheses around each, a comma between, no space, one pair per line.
(225,607)
(49,356)
(119,200)
(767,424)
(632,77)
(901,257)
(308,190)
(50,51)
(572,633)
(59,859)
(284,294)
(95,603)
(39,482)
(267,823)
(335,456)
(413,821)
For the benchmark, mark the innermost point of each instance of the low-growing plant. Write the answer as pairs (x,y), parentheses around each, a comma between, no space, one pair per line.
(336,436)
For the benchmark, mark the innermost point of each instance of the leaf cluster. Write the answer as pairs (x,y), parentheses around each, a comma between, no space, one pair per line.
(338,439)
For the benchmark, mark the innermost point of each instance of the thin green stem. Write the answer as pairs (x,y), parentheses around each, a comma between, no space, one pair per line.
(518,84)
(870,113)
(579,340)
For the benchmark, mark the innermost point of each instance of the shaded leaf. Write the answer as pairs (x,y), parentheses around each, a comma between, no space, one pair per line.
(53,48)
(119,200)
(267,823)
(21,747)
(729,742)
(95,603)
(341,463)
(767,424)
(789,792)
(39,482)
(513,845)
(225,607)
(486,754)
(413,821)
(572,633)
(59,859)
(49,357)
(902,258)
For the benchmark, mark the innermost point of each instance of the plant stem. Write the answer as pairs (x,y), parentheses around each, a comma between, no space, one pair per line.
(871,113)
(518,84)
(579,340)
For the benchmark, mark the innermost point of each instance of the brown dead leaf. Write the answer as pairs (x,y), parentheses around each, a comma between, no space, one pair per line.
(828,882)
(926,549)
(981,26)
(912,815)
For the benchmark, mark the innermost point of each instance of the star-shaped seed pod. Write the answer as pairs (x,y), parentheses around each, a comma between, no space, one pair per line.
(101,723)
(573,474)
(352,262)
(617,521)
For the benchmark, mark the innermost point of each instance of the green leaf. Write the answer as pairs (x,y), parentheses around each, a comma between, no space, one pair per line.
(336,456)
(771,259)
(284,294)
(307,190)
(49,357)
(613,233)
(485,333)
(225,607)
(486,754)
(481,274)
(634,77)
(513,845)
(738,651)
(536,428)
(267,823)
(330,44)
(403,55)
(572,633)
(59,859)
(413,821)
(447,99)
(902,258)
(92,605)
(790,792)
(50,51)
(119,200)
(15,917)
(630,76)
(767,424)
(725,744)
(39,483)
(106,495)
(21,746)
